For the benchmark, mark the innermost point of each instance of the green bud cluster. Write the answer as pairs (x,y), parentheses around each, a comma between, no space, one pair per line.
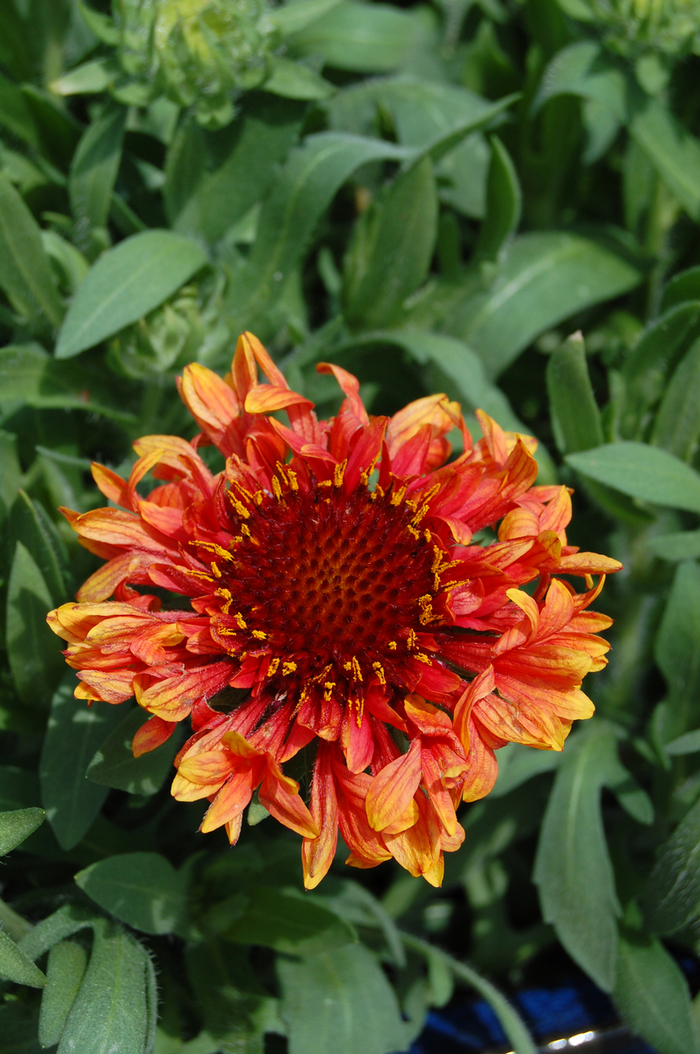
(200,53)
(635,27)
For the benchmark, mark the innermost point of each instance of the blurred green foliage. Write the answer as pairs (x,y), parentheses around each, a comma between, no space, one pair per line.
(435,197)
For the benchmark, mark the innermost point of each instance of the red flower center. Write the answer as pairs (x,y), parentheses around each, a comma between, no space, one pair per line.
(333,587)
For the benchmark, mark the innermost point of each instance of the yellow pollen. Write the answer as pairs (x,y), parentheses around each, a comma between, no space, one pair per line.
(273,667)
(215,568)
(364,476)
(245,530)
(221,592)
(413,505)
(422,657)
(339,472)
(347,666)
(191,571)
(328,686)
(413,531)
(392,645)
(217,550)
(258,497)
(411,641)
(259,634)
(238,505)
(379,670)
(277,489)
(326,483)
(427,535)
(293,483)
(397,496)
(356,671)
(423,511)
(288,667)
(240,621)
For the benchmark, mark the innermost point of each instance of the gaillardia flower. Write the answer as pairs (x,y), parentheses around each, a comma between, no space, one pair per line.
(333,578)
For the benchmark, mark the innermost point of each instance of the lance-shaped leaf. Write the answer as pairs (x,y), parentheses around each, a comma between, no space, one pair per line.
(643,472)
(35,658)
(94,169)
(25,272)
(572,867)
(126,283)
(74,733)
(575,414)
(652,996)
(391,250)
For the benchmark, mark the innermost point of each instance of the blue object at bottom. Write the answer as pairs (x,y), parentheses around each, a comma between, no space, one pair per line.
(550,1013)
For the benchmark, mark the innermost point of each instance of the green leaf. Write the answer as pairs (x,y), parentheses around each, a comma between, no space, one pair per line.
(575,414)
(673,890)
(125,284)
(32,649)
(213,178)
(29,375)
(339,1001)
(673,151)
(87,79)
(572,866)
(584,69)
(114,764)
(682,545)
(652,996)
(642,471)
(518,764)
(57,927)
(17,825)
(11,474)
(291,80)
(16,966)
(302,191)
(14,114)
(110,1013)
(544,278)
(365,38)
(503,203)
(30,523)
(650,362)
(142,889)
(74,733)
(94,170)
(677,424)
(682,287)
(287,922)
(391,249)
(293,17)
(25,272)
(58,131)
(676,650)
(689,743)
(64,975)
(423,110)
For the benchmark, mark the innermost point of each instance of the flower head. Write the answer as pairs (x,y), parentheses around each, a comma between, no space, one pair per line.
(334,580)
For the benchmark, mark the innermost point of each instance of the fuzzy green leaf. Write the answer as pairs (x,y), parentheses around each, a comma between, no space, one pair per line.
(643,472)
(126,283)
(142,889)
(74,733)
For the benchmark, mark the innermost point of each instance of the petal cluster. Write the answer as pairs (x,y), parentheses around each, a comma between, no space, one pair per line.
(333,592)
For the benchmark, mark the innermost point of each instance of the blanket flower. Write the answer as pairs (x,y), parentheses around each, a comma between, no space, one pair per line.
(336,597)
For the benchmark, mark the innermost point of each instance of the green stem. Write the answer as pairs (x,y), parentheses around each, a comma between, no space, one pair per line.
(512,1024)
(12,923)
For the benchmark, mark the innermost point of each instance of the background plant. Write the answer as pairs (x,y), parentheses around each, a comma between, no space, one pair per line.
(434,197)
